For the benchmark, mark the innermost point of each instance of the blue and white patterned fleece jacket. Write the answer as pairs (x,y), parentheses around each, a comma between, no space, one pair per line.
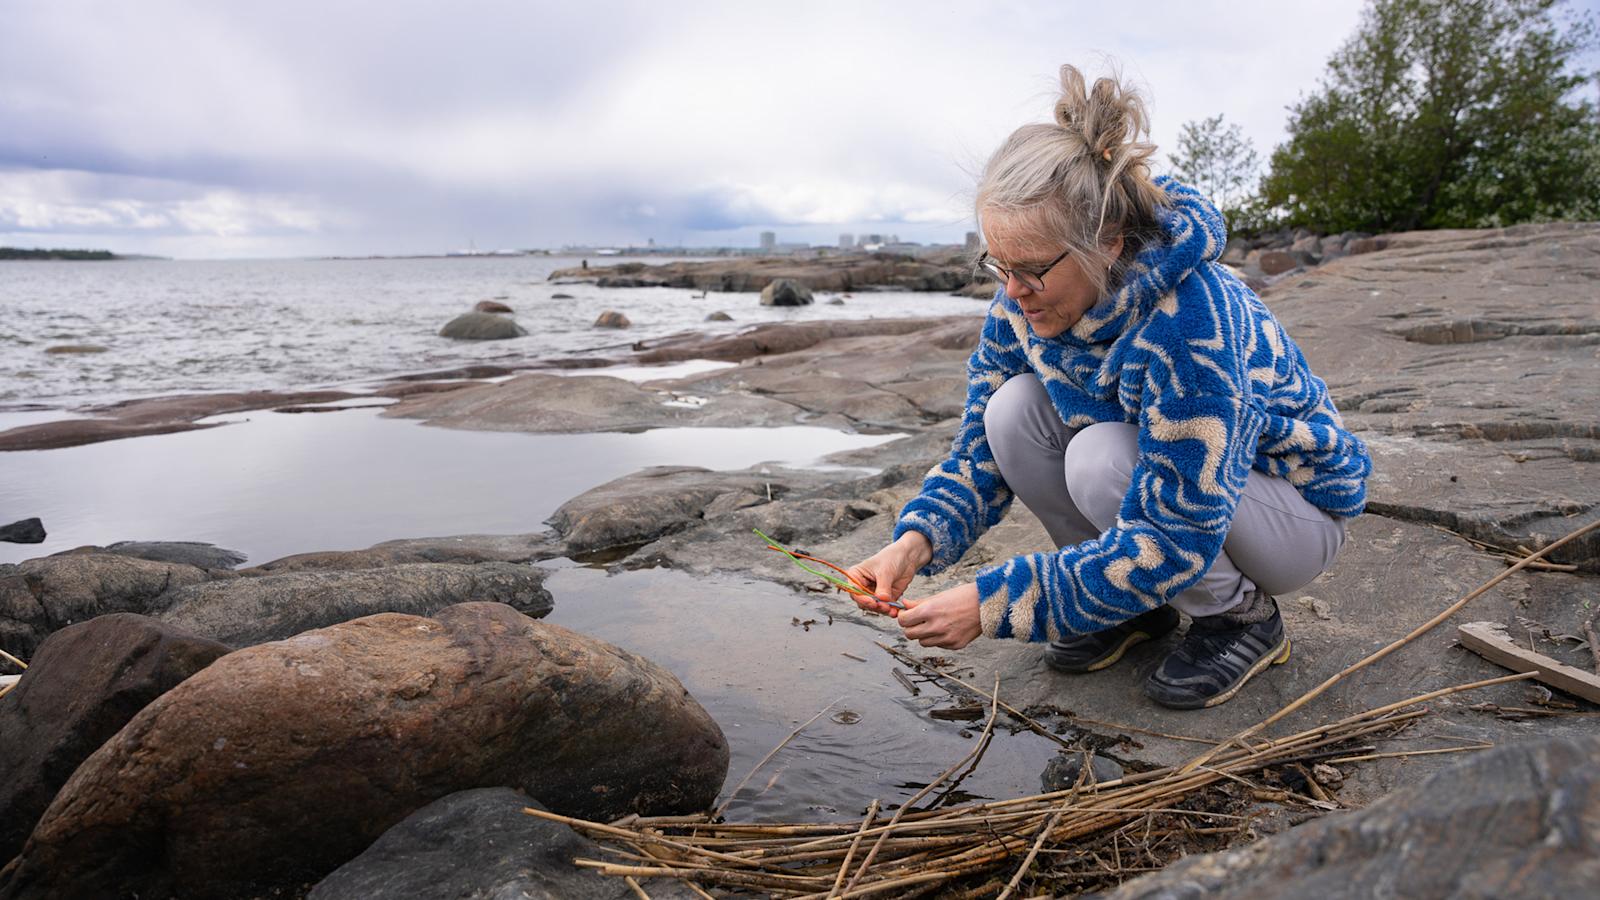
(1194,358)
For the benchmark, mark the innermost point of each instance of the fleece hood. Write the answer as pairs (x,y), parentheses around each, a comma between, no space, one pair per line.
(1193,232)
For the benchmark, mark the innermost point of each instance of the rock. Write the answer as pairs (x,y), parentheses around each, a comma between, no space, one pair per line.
(1362,245)
(560,296)
(190,553)
(84,683)
(1327,776)
(612,319)
(157,415)
(585,403)
(41,595)
(1064,769)
(468,548)
(1516,821)
(1236,250)
(785,292)
(491,306)
(75,349)
(1419,344)
(646,505)
(278,763)
(719,316)
(1311,245)
(479,843)
(245,611)
(481,326)
(27,531)
(836,272)
(836,302)
(1276,262)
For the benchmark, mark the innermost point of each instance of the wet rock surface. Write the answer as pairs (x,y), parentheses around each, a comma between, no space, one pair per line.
(222,786)
(480,844)
(84,684)
(1517,821)
(159,415)
(40,596)
(785,292)
(245,611)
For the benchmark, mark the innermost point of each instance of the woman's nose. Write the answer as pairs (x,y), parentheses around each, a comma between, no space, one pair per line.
(1015,287)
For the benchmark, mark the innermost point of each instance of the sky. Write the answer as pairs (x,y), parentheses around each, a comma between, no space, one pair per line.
(296,128)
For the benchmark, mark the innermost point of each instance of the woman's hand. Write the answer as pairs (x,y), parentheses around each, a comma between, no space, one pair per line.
(889,572)
(948,619)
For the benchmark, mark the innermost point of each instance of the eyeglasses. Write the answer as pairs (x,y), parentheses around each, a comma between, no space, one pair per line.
(1034,281)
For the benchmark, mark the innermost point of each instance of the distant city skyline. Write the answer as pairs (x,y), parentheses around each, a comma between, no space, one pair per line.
(185,129)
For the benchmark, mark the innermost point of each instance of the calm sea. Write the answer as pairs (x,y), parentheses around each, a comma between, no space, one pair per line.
(179,326)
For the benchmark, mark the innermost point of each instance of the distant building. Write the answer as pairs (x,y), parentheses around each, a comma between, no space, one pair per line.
(972,242)
(847,242)
(769,241)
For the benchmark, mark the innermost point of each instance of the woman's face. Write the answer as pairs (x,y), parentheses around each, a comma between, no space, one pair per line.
(1015,243)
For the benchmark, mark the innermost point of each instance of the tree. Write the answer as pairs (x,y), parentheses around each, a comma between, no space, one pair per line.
(1221,163)
(1445,114)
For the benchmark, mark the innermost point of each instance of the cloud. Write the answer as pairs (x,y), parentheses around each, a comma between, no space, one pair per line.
(306,127)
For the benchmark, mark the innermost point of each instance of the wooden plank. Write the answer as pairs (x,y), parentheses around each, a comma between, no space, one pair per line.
(1490,641)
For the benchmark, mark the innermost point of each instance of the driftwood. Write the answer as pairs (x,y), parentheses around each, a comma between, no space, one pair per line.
(1490,641)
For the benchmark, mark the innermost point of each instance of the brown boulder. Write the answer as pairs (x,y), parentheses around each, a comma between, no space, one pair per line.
(612,319)
(490,306)
(42,595)
(278,763)
(84,684)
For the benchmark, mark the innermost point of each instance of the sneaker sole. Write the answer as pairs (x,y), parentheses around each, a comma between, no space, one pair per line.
(1110,659)
(1277,656)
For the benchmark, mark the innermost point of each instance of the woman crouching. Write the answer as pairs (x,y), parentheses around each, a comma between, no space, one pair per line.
(1145,405)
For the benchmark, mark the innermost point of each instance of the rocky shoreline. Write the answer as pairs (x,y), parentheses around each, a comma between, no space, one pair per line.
(1466,361)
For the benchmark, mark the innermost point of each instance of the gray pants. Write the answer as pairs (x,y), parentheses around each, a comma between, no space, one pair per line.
(1074,481)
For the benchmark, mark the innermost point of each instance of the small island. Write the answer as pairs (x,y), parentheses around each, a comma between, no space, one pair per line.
(76,255)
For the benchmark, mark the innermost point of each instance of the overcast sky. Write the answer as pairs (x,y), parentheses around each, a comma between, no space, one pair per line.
(296,128)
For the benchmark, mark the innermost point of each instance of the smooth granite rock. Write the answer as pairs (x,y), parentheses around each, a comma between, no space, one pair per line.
(84,684)
(278,763)
(39,596)
(245,611)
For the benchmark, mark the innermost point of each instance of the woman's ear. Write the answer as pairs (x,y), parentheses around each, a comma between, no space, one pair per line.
(1115,247)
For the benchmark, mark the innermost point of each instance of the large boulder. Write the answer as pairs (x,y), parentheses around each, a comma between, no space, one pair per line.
(278,763)
(42,595)
(27,531)
(785,292)
(244,611)
(482,326)
(480,844)
(612,319)
(84,684)
(1519,821)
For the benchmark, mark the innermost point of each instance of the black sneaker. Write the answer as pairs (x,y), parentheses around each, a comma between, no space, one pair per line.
(1093,652)
(1216,658)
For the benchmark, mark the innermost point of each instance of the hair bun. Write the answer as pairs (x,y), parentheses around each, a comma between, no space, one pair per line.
(1107,117)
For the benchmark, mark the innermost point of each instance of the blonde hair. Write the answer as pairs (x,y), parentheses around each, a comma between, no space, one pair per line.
(1083,180)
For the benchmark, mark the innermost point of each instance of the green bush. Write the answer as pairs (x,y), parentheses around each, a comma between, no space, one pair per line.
(1445,114)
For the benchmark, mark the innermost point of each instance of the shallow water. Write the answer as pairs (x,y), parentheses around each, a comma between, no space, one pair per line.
(272,484)
(736,646)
